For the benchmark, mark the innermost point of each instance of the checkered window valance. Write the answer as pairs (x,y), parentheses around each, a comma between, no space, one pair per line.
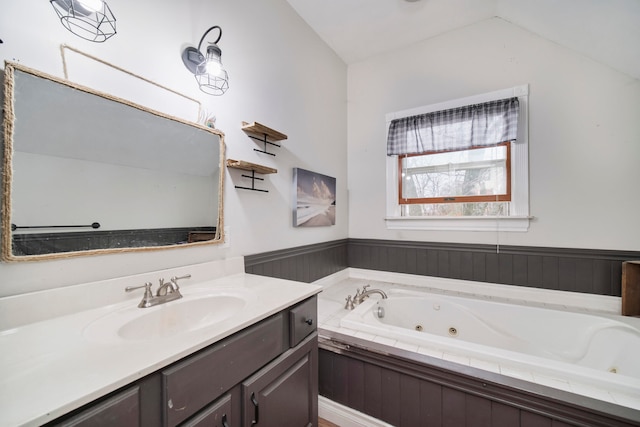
(458,128)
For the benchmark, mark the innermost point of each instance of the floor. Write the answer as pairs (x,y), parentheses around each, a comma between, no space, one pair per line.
(325,423)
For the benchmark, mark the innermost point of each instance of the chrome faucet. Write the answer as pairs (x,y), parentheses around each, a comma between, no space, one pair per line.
(171,286)
(361,295)
(365,294)
(166,292)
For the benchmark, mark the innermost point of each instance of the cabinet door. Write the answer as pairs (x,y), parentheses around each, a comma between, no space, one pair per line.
(224,412)
(285,392)
(123,409)
(196,381)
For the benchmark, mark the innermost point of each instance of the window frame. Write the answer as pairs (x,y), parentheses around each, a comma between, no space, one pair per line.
(506,197)
(518,219)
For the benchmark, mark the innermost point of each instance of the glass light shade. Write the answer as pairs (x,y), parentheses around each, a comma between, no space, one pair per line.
(89,19)
(213,84)
(210,75)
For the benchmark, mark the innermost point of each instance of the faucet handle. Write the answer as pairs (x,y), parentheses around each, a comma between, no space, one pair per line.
(148,295)
(146,286)
(175,279)
(356,297)
(364,288)
(349,305)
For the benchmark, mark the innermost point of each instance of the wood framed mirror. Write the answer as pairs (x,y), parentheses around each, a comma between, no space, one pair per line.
(87,173)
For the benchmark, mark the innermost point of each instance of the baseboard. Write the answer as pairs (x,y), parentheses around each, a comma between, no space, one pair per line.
(345,416)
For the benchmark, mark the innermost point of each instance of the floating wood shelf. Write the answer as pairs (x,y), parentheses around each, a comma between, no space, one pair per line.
(262,130)
(253,168)
(264,134)
(241,164)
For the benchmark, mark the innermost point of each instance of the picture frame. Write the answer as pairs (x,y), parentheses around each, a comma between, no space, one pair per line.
(314,199)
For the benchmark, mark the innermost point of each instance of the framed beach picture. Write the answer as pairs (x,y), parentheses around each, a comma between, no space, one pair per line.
(314,199)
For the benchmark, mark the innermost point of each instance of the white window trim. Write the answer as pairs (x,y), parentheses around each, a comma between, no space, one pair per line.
(519,218)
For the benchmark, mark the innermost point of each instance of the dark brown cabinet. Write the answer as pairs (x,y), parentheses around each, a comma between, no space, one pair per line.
(284,393)
(265,375)
(191,384)
(121,409)
(302,320)
(219,414)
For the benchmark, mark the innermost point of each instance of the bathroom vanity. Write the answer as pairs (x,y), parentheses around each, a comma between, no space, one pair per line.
(252,377)
(255,366)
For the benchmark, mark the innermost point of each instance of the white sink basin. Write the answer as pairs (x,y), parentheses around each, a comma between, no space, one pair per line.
(190,313)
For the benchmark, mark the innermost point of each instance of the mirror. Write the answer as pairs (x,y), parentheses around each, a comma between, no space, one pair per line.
(87,173)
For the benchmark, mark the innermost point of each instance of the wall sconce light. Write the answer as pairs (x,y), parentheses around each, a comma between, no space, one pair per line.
(89,19)
(211,77)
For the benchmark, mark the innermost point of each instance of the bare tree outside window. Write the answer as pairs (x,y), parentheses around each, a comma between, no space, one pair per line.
(469,182)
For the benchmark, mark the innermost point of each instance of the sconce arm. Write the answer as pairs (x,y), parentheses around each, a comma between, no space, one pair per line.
(207,32)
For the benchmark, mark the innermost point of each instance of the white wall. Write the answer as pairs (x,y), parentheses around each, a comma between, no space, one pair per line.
(584,133)
(281,74)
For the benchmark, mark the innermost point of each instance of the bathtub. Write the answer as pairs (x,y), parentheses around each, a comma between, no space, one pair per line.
(601,351)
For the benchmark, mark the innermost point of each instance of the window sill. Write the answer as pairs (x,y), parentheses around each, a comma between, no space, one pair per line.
(464,223)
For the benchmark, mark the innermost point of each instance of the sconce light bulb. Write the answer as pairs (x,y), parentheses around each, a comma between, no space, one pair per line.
(214,68)
(92,5)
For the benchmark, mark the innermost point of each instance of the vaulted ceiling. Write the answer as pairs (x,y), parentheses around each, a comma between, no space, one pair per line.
(607,31)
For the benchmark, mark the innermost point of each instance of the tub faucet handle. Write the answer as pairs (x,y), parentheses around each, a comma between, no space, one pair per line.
(361,294)
(356,297)
(349,305)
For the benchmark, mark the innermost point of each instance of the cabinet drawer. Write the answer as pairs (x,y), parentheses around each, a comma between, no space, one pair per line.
(123,409)
(303,320)
(190,385)
(218,414)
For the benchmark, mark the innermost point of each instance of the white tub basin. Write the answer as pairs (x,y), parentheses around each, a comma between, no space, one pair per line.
(190,313)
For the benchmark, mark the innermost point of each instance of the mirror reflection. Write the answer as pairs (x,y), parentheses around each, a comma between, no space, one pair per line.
(88,173)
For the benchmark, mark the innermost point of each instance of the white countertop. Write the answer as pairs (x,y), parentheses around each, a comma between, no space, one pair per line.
(48,367)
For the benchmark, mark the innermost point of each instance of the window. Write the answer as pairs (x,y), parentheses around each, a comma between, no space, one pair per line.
(461,165)
(472,182)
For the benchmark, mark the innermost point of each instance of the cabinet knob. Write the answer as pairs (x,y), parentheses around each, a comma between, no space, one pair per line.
(309,322)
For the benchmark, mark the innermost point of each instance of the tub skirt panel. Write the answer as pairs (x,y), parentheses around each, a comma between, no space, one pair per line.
(407,390)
